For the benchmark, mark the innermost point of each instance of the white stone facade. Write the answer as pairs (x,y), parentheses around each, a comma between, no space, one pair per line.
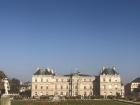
(68,85)
(45,82)
(110,83)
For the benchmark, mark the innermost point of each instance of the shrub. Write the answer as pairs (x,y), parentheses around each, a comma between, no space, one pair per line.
(138,99)
(44,97)
(110,97)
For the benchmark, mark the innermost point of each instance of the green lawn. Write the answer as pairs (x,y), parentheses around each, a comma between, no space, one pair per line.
(72,102)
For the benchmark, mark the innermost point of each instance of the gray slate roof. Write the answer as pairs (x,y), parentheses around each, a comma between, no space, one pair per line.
(44,71)
(109,71)
(136,80)
(78,74)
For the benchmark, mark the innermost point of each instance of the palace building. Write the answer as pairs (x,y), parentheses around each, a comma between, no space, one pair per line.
(110,83)
(46,82)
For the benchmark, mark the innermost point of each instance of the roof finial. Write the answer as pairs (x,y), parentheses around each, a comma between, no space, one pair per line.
(103,68)
(114,67)
(52,71)
(49,70)
(37,68)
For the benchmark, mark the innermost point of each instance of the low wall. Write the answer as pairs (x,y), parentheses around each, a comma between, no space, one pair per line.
(130,102)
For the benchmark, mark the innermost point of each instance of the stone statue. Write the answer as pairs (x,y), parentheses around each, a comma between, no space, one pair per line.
(6,86)
(5,98)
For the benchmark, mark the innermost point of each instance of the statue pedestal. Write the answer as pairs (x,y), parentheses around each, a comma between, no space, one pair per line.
(5,100)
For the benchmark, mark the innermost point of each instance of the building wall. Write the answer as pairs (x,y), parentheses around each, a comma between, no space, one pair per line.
(82,85)
(62,85)
(134,85)
(111,85)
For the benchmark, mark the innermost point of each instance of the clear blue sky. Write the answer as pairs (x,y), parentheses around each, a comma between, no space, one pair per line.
(69,34)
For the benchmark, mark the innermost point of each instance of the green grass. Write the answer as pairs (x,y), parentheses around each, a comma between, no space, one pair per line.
(72,102)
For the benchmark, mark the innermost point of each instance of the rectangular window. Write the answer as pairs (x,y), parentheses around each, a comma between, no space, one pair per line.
(84,80)
(85,87)
(103,79)
(35,86)
(85,93)
(47,87)
(61,87)
(41,87)
(35,93)
(46,80)
(90,87)
(61,93)
(68,80)
(67,87)
(41,80)
(76,93)
(67,93)
(56,87)
(90,93)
